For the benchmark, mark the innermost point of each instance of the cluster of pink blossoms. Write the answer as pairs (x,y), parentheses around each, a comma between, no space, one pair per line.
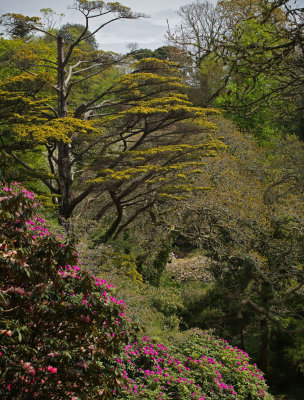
(152,373)
(37,225)
(163,371)
(21,189)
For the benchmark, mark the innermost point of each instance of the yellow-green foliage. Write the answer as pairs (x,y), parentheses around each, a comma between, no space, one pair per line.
(18,106)
(124,265)
(108,175)
(18,55)
(60,129)
(210,146)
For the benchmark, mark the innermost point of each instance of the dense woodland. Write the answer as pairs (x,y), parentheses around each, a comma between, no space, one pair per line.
(151,206)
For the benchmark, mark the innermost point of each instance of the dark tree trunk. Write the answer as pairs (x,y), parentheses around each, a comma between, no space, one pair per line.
(119,210)
(265,346)
(64,151)
(242,339)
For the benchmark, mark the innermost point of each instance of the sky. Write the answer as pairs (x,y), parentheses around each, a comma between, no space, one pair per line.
(147,33)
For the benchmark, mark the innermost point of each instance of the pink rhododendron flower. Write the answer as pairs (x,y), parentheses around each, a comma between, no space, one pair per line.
(51,369)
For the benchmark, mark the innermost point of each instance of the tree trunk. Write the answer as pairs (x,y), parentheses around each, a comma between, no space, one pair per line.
(113,228)
(64,151)
(61,85)
(242,339)
(265,346)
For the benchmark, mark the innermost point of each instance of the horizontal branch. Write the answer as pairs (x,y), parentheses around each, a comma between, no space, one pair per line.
(270,317)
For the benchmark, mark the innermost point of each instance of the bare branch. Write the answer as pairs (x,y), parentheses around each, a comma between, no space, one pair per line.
(71,72)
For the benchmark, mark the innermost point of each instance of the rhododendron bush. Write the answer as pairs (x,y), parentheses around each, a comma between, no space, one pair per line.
(63,335)
(59,326)
(198,367)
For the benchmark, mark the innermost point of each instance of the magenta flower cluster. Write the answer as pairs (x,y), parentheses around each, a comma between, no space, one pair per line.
(151,372)
(26,193)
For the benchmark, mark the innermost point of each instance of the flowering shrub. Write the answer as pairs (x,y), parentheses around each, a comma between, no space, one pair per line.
(64,336)
(59,326)
(202,368)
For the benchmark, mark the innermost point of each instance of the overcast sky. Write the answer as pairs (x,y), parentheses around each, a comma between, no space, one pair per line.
(147,33)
